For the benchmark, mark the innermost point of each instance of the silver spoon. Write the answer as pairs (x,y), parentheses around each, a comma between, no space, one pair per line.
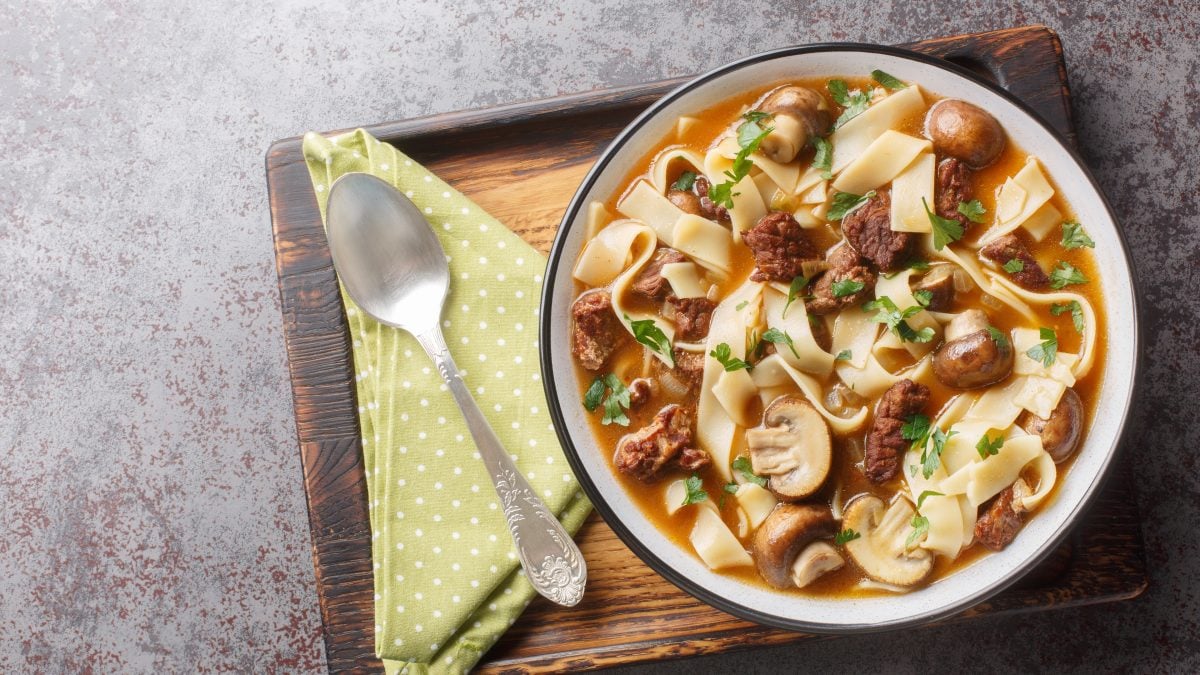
(393,266)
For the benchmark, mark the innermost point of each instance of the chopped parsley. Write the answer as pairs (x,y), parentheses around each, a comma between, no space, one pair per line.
(649,334)
(920,526)
(986,447)
(823,157)
(780,337)
(595,393)
(731,488)
(724,355)
(844,355)
(1076,311)
(931,456)
(847,287)
(999,338)
(896,319)
(1015,265)
(925,495)
(741,305)
(742,465)
(915,429)
(973,210)
(1073,236)
(695,490)
(945,230)
(854,104)
(685,181)
(845,536)
(923,297)
(887,81)
(845,203)
(1046,350)
(915,264)
(750,135)
(1065,275)
(794,289)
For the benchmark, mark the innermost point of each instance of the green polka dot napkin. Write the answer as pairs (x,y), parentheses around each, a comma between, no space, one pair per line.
(447,579)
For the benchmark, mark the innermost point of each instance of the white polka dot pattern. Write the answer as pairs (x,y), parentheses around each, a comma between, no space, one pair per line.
(446,584)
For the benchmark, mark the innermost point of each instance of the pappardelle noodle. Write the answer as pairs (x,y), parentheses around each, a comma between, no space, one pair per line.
(840,335)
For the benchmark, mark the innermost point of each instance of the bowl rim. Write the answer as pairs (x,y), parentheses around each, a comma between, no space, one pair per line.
(598,499)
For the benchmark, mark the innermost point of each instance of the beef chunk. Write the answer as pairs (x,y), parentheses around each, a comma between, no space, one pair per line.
(953,186)
(640,391)
(869,230)
(940,284)
(689,367)
(885,444)
(645,453)
(649,281)
(685,201)
(1000,519)
(692,316)
(779,246)
(708,208)
(1010,247)
(596,331)
(845,265)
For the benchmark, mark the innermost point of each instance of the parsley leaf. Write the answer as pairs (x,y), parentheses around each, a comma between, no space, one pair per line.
(823,157)
(591,400)
(847,287)
(923,297)
(845,203)
(945,230)
(794,289)
(844,355)
(887,81)
(854,103)
(724,355)
(986,447)
(742,465)
(845,536)
(926,494)
(741,305)
(973,210)
(750,135)
(1015,265)
(920,526)
(1065,275)
(895,319)
(731,488)
(616,403)
(648,333)
(695,490)
(780,337)
(685,181)
(1046,350)
(1073,236)
(998,337)
(915,428)
(931,456)
(1076,313)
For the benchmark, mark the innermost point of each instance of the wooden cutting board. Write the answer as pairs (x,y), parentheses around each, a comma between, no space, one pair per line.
(522,163)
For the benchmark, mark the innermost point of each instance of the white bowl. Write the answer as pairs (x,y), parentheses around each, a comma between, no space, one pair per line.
(962,589)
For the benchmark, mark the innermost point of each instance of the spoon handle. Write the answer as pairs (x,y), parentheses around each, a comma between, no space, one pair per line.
(552,561)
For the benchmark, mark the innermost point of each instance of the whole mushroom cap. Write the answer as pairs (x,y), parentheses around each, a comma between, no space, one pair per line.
(1061,433)
(966,131)
(799,114)
(971,356)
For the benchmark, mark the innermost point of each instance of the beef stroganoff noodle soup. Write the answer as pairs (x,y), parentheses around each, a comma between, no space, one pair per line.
(838,335)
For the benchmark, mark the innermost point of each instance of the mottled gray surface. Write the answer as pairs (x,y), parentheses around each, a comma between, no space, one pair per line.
(151,511)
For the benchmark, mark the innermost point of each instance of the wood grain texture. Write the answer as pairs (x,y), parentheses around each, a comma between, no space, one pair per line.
(522,163)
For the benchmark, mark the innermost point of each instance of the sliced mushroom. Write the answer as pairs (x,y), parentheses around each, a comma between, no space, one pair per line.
(815,560)
(1060,434)
(799,114)
(971,356)
(792,448)
(966,131)
(939,282)
(779,541)
(882,550)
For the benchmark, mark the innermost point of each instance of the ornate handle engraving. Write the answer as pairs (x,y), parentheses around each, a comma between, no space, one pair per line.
(552,561)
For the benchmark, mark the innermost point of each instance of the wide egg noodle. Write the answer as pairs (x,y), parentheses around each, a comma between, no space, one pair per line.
(715,543)
(1088,353)
(715,429)
(705,242)
(660,168)
(885,158)
(774,370)
(852,138)
(897,289)
(804,352)
(641,245)
(1033,190)
(649,206)
(608,253)
(912,189)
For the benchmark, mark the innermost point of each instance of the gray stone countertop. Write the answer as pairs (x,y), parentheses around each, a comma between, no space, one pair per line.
(151,510)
